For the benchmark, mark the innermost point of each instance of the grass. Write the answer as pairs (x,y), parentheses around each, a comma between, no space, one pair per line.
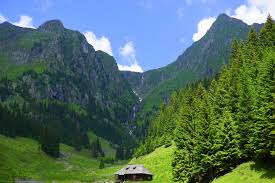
(21,158)
(12,71)
(250,172)
(158,163)
(77,109)
(31,38)
(107,147)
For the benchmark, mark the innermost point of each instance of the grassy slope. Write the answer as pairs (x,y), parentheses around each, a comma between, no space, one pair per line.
(249,172)
(21,158)
(158,163)
(12,71)
(107,146)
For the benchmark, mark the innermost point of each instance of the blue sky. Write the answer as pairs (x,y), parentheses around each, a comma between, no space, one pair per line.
(140,34)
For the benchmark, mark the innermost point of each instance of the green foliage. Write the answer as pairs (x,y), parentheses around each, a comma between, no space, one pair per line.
(234,120)
(49,141)
(77,109)
(108,148)
(33,39)
(14,72)
(230,122)
(96,148)
(158,163)
(101,164)
(203,59)
(82,88)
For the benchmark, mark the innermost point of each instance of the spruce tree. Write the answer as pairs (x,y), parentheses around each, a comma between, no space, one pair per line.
(265,120)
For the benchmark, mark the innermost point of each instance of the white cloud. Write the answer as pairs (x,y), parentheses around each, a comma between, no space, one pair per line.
(2,18)
(101,43)
(203,26)
(127,50)
(24,21)
(255,11)
(134,67)
(128,53)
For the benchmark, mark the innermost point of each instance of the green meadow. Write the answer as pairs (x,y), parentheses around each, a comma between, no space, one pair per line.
(21,158)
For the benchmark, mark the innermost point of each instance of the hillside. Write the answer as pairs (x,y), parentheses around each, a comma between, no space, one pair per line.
(159,163)
(203,59)
(52,73)
(218,124)
(21,158)
(250,172)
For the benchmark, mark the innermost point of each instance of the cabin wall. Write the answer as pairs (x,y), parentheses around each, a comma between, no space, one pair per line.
(135,177)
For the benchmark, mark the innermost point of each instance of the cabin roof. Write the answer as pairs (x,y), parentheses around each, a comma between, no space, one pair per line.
(133,169)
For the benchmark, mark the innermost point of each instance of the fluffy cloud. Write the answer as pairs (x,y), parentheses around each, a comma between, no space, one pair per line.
(254,11)
(2,18)
(134,67)
(203,26)
(24,21)
(101,43)
(128,53)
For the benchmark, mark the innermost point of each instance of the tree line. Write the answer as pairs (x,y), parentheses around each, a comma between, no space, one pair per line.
(221,123)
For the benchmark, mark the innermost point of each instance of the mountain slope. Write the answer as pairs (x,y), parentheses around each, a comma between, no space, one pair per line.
(55,65)
(22,158)
(203,59)
(250,172)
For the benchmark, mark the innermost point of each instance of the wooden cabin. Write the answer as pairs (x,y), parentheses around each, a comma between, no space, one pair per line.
(133,173)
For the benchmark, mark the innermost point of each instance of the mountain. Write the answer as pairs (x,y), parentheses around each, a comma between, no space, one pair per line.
(203,59)
(52,68)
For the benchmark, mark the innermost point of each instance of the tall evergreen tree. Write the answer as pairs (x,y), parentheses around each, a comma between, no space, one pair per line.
(50,141)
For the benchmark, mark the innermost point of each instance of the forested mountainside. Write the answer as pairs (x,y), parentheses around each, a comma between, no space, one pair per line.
(54,78)
(203,59)
(226,122)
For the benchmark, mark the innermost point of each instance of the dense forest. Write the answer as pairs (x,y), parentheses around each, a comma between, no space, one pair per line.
(221,123)
(51,123)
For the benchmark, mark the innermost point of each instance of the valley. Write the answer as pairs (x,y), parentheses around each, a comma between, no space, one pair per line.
(68,114)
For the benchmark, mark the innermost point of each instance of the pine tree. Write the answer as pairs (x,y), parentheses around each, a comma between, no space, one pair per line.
(267,33)
(227,142)
(50,141)
(101,164)
(265,120)
(185,140)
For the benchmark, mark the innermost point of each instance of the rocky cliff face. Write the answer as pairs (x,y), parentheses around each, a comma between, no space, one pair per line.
(56,63)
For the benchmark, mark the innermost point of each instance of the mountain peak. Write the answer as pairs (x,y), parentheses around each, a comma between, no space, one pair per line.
(52,26)
(223,17)
(6,24)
